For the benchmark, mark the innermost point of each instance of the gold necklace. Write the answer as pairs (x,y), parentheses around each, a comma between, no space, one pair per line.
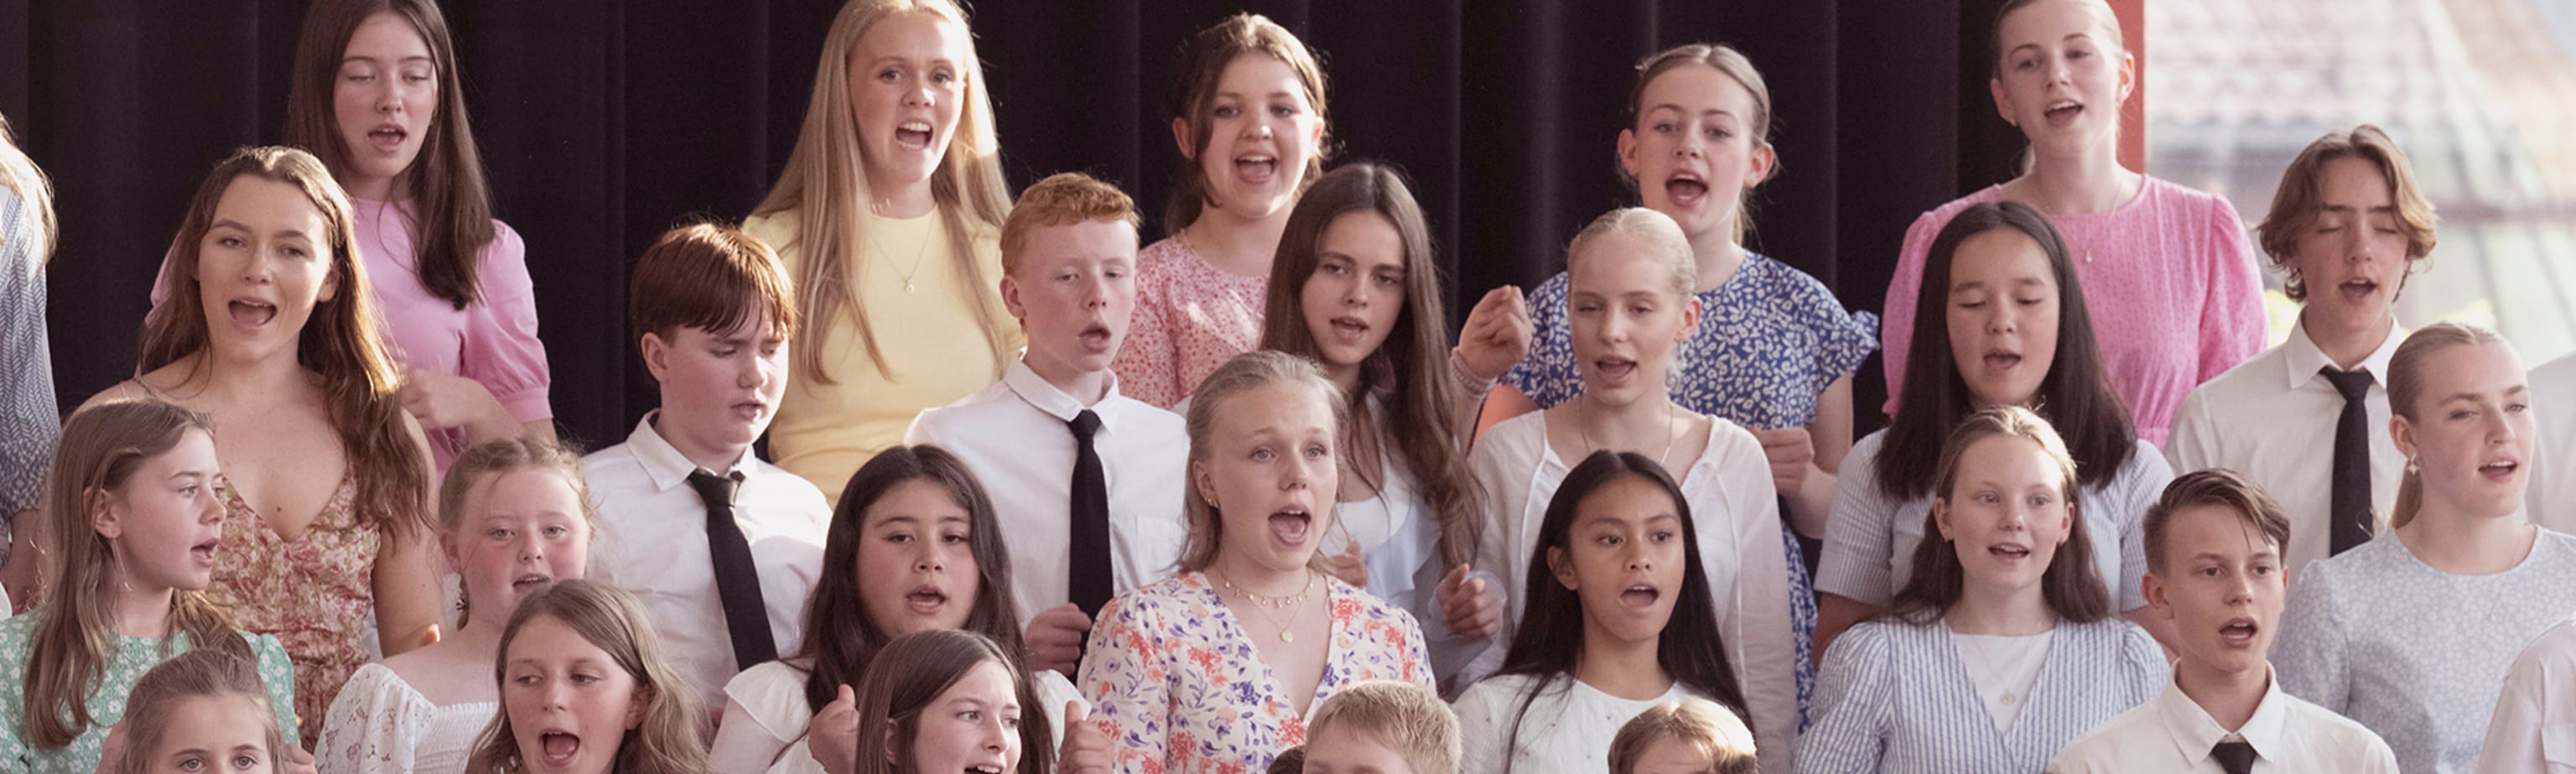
(1670,416)
(917,255)
(1296,601)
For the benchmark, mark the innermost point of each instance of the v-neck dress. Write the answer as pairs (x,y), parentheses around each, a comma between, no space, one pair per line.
(1896,697)
(314,594)
(1180,688)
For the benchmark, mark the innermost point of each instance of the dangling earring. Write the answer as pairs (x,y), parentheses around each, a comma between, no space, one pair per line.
(2412,468)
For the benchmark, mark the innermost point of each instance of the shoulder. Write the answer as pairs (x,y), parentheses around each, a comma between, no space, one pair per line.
(1931,222)
(2106,746)
(612,464)
(1551,291)
(1163,256)
(504,264)
(978,404)
(1148,419)
(2167,194)
(18,633)
(1493,693)
(2138,650)
(2338,732)
(1870,643)
(2555,373)
(1511,443)
(377,689)
(776,229)
(1865,452)
(776,482)
(2258,375)
(2146,466)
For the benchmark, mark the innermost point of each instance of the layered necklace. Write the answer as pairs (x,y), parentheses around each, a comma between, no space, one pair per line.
(1295,604)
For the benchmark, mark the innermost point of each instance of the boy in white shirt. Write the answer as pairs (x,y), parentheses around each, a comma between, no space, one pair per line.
(721,547)
(1087,482)
(2214,569)
(2308,420)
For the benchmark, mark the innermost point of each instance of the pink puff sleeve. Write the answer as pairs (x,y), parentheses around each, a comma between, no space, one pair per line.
(2232,321)
(1896,320)
(501,349)
(1149,363)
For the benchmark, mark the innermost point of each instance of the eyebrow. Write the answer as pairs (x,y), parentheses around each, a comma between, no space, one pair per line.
(2016,282)
(403,60)
(2346,208)
(233,224)
(1662,106)
(2018,49)
(2510,392)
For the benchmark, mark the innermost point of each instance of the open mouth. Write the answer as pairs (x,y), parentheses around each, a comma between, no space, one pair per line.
(1256,167)
(204,553)
(1095,337)
(913,134)
(1999,360)
(926,600)
(388,136)
(1291,525)
(1349,328)
(1614,368)
(560,747)
(1685,189)
(2063,112)
(2499,470)
(2239,631)
(1640,596)
(750,409)
(2357,290)
(531,582)
(251,314)
(984,768)
(2009,551)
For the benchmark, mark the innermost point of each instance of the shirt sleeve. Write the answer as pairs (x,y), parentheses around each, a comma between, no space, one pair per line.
(278,673)
(1853,699)
(1843,338)
(1480,732)
(2309,657)
(1498,493)
(501,348)
(2142,485)
(1758,621)
(1149,362)
(30,422)
(2193,442)
(372,726)
(1896,318)
(764,714)
(2232,322)
(1124,678)
(2144,670)
(1858,560)
(2516,738)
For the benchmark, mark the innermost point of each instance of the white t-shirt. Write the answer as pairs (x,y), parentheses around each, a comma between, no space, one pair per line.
(1568,726)
(2004,667)
(766,715)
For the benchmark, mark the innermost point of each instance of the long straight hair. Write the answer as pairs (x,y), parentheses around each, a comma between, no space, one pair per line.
(1549,643)
(199,674)
(2071,585)
(102,447)
(1410,370)
(917,668)
(451,203)
(840,640)
(20,175)
(341,342)
(2075,395)
(825,185)
(665,742)
(2406,379)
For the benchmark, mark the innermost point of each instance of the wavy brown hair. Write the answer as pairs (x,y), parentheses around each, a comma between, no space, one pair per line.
(825,185)
(1192,97)
(917,668)
(2070,584)
(2300,199)
(102,447)
(451,203)
(665,742)
(1410,370)
(840,640)
(200,674)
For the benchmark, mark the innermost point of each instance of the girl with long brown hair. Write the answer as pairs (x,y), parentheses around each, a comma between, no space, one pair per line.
(586,689)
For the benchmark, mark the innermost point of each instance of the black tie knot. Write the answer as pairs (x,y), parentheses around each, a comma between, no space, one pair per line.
(715,490)
(2354,384)
(2236,757)
(1085,424)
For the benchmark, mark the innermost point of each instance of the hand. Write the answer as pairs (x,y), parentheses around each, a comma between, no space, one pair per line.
(1497,333)
(1055,638)
(1086,747)
(1472,610)
(1792,452)
(833,737)
(444,401)
(1349,566)
(297,761)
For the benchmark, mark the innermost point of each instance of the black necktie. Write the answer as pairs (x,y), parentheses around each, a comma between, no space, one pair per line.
(737,581)
(2235,757)
(1089,574)
(2350,506)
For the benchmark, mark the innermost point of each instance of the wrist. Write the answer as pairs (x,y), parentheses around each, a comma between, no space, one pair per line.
(1477,384)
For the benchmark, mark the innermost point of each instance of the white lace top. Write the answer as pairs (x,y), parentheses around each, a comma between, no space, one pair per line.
(379,724)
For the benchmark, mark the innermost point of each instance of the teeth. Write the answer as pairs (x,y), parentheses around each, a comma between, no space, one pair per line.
(915,126)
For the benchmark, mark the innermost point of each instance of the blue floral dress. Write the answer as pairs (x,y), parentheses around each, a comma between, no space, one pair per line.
(1769,342)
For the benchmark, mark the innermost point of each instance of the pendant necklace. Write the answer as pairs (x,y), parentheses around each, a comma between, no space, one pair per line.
(1294,603)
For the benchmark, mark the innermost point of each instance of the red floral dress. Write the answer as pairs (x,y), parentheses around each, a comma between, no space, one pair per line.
(315,594)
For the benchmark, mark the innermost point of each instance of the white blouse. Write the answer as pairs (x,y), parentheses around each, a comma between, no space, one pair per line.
(766,716)
(1568,727)
(380,723)
(1735,512)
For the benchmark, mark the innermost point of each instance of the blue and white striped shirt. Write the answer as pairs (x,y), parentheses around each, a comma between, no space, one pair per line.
(1895,697)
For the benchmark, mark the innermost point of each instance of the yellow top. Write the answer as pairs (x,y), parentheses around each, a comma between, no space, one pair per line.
(930,339)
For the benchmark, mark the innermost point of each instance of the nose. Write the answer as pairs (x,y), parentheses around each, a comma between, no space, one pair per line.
(919,95)
(1637,559)
(1095,294)
(2002,319)
(554,694)
(1693,144)
(929,560)
(531,549)
(2241,588)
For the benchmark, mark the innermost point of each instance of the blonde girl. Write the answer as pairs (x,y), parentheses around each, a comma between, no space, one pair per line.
(28,427)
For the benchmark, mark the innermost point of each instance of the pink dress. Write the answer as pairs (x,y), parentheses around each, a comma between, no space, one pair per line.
(1177,684)
(315,594)
(2170,280)
(1190,318)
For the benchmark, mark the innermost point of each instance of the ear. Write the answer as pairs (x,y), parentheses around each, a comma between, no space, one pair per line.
(330,286)
(103,515)
(2403,432)
(1628,151)
(1181,137)
(1560,564)
(1690,320)
(636,704)
(894,763)
(2154,586)
(2003,105)
(1205,481)
(657,356)
(2128,75)
(1011,299)
(1765,159)
(1941,516)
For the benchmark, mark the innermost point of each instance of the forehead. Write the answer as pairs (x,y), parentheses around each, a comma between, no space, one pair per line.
(921,35)
(1618,262)
(546,639)
(2353,180)
(1080,239)
(2213,529)
(1365,236)
(218,722)
(2008,459)
(989,682)
(266,205)
(386,35)
(1343,748)
(917,498)
(1285,406)
(1696,87)
(528,490)
(1998,252)
(2049,21)
(1629,497)
(2472,369)
(1258,74)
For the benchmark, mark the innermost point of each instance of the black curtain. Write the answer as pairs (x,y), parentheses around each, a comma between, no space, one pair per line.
(603,122)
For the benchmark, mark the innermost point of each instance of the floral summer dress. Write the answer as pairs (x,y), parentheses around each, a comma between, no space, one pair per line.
(315,594)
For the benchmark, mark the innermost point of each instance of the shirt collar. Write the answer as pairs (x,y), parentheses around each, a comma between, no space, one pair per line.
(665,464)
(1038,392)
(2196,734)
(2303,358)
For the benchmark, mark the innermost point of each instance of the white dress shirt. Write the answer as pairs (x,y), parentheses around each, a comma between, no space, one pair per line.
(2534,726)
(2550,501)
(2273,418)
(2173,734)
(653,544)
(1017,436)
(1736,515)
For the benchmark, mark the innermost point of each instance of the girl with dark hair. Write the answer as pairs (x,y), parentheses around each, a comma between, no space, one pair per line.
(949,700)
(913,547)
(2002,647)
(1620,620)
(2001,303)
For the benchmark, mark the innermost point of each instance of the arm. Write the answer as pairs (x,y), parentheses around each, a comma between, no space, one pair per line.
(1124,678)
(743,743)
(1852,708)
(1149,362)
(1480,733)
(2141,486)
(1504,402)
(2308,659)
(1758,622)
(29,427)
(406,571)
(277,673)
(2232,322)
(1494,541)
(1854,572)
(502,353)
(2192,444)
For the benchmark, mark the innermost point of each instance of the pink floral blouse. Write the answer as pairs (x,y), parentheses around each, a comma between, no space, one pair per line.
(1190,318)
(315,593)
(1176,682)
